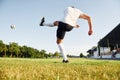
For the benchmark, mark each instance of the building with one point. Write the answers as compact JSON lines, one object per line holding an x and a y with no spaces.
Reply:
{"x":109,"y":43}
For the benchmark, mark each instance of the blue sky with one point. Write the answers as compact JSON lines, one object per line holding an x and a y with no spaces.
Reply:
{"x":26,"y":15}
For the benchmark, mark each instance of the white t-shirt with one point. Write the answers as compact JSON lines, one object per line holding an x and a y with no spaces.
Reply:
{"x":71,"y":16}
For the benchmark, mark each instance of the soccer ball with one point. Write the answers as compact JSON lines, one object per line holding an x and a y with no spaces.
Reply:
{"x":12,"y":26}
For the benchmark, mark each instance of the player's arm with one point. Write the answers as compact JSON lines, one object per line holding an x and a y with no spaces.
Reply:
{"x":88,"y":18}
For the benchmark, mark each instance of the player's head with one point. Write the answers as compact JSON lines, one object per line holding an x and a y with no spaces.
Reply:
{"x":72,"y":6}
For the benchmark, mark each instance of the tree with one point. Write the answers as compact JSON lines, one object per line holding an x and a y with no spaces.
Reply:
{"x":5,"y":49}
{"x":14,"y":48}
{"x":31,"y":52}
{"x":50,"y":54}
{"x":56,"y":54}
{"x":36,"y":53}
{"x":17,"y":49}
{"x":42,"y":53}
{"x":81,"y":55}
{"x":25,"y":52}
{"x":1,"y":47}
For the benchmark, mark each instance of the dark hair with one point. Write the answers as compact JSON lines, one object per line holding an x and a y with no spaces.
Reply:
{"x":72,"y":7}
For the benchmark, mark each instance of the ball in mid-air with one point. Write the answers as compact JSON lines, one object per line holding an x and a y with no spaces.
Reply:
{"x":12,"y":26}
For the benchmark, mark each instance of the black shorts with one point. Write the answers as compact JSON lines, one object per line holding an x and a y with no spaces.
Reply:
{"x":62,"y":29}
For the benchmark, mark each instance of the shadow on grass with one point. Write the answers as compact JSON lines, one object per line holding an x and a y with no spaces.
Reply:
{"x":107,"y":59}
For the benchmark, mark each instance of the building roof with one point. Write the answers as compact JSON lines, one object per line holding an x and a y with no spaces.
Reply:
{"x":112,"y":38}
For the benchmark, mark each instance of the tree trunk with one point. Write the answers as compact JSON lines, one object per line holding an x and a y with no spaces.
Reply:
{"x":11,"y":54}
{"x":5,"y":54}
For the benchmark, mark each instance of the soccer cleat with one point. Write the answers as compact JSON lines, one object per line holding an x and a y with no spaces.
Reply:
{"x":65,"y":61}
{"x":42,"y":21}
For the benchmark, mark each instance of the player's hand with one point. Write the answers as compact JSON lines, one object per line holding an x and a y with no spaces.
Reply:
{"x":77,"y":26}
{"x":90,"y":32}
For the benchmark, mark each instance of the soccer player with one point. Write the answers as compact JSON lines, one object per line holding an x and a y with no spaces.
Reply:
{"x":69,"y":21}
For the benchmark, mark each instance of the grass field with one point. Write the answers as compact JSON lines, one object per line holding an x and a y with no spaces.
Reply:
{"x":54,"y":69}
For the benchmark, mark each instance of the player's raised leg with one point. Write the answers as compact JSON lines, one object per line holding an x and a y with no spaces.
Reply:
{"x":43,"y":23}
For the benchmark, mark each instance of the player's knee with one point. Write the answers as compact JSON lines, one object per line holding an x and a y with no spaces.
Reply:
{"x":56,"y":23}
{"x":58,"y":41}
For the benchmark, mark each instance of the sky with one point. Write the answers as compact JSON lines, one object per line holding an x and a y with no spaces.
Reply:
{"x":26,"y":16}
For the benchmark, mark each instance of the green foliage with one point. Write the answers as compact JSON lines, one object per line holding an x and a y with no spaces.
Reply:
{"x":56,"y":54}
{"x":50,"y":54}
{"x":81,"y":55}
{"x":14,"y":50}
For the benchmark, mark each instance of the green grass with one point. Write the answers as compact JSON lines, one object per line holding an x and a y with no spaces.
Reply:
{"x":54,"y":69}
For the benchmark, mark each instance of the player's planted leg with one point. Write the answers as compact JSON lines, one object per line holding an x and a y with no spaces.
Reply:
{"x":62,"y":50}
